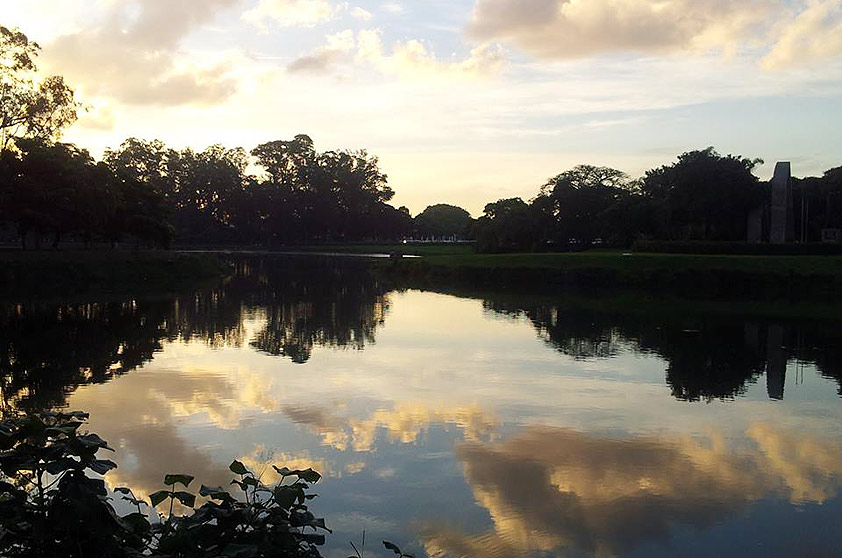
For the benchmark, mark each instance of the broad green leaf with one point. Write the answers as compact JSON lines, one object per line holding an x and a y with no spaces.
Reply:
{"x":238,"y":468}
{"x":218,"y":493}
{"x":186,"y":498}
{"x":158,"y":497}
{"x":61,"y":465}
{"x":101,"y":466}
{"x":251,"y":481}
{"x":93,"y":441}
{"x":285,"y":496}
{"x":183,"y":480}
{"x":393,"y":547}
{"x":308,"y":475}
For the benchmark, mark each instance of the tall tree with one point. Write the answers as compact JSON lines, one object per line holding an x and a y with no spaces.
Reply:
{"x":505,"y":226}
{"x":704,"y":195}
{"x":29,"y":107}
{"x":578,"y":202}
{"x":443,"y":220}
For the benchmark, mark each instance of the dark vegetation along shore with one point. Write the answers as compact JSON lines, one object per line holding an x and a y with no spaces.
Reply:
{"x":101,"y":272}
{"x":695,"y":276}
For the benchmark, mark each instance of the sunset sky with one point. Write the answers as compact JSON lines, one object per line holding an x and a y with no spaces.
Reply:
{"x":464,"y":101}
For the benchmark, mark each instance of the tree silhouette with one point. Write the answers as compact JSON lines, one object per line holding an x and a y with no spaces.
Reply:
{"x":29,"y":108}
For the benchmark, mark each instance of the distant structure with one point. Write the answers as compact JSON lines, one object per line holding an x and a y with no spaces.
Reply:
{"x":773,"y":220}
{"x":781,"y":225}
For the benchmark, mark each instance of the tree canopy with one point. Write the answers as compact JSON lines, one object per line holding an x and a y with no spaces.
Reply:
{"x":30,"y":107}
{"x":444,"y":221}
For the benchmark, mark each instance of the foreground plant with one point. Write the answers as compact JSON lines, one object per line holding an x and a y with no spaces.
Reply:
{"x":49,"y":507}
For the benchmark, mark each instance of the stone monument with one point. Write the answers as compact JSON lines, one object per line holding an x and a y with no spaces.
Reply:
{"x":781,"y":222}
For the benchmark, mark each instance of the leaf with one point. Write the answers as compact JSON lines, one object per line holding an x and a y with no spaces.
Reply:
{"x":238,"y":468}
{"x":285,"y":496}
{"x":250,"y":481}
{"x":101,"y":466}
{"x":393,"y":547}
{"x":137,"y":522}
{"x":218,"y":493}
{"x":308,"y":475}
{"x":158,"y":497}
{"x":319,"y":522}
{"x":183,"y":480}
{"x":185,"y":498}
{"x":93,"y":441}
{"x":313,"y":538}
{"x":61,"y":465}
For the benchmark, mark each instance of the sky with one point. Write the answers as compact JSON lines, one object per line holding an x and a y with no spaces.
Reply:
{"x":463,"y":101}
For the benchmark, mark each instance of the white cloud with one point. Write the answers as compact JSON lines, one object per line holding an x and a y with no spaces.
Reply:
{"x":577,"y":28}
{"x":790,"y":33}
{"x":132,"y":54}
{"x":361,"y":14}
{"x":411,"y":58}
{"x":292,"y":13}
{"x":393,"y":7}
{"x":324,"y":58}
{"x":814,"y":34}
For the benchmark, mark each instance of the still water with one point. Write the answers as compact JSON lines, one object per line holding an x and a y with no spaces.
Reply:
{"x":487,"y":424}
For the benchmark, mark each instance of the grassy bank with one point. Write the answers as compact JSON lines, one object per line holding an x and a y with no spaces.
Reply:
{"x":685,"y":275}
{"x":404,"y":249}
{"x":52,"y":272}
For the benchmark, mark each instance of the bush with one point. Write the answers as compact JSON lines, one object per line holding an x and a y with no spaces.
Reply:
{"x":49,"y":507}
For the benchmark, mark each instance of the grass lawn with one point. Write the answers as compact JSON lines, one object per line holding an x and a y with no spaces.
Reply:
{"x":406,"y":249}
{"x":634,"y":263}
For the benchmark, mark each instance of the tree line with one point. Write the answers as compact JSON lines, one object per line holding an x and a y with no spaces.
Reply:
{"x":702,"y":196}
{"x":144,"y":193}
{"x":148,"y":194}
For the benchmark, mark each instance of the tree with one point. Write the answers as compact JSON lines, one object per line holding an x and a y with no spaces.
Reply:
{"x":204,"y":187}
{"x":444,"y":221}
{"x":52,"y":190}
{"x":29,"y":108}
{"x":704,"y":195}
{"x":506,"y":225}
{"x":286,"y":162}
{"x":577,"y":203}
{"x":144,"y":186}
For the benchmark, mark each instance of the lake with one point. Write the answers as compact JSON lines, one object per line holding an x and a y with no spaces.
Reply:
{"x":466,"y":423}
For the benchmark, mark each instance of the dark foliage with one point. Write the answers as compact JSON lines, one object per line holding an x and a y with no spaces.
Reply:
{"x":704,"y":198}
{"x":443,"y":221}
{"x":49,"y":507}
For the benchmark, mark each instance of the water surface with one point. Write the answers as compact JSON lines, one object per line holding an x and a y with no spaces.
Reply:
{"x":497,"y":425}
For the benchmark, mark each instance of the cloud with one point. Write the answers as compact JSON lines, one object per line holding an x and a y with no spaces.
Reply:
{"x":361,"y":14}
{"x":559,"y":491}
{"x":98,"y":118}
{"x":814,"y":34}
{"x":292,"y":13}
{"x":132,"y":55}
{"x":564,"y":29}
{"x":324,"y":58}
{"x":411,"y":58}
